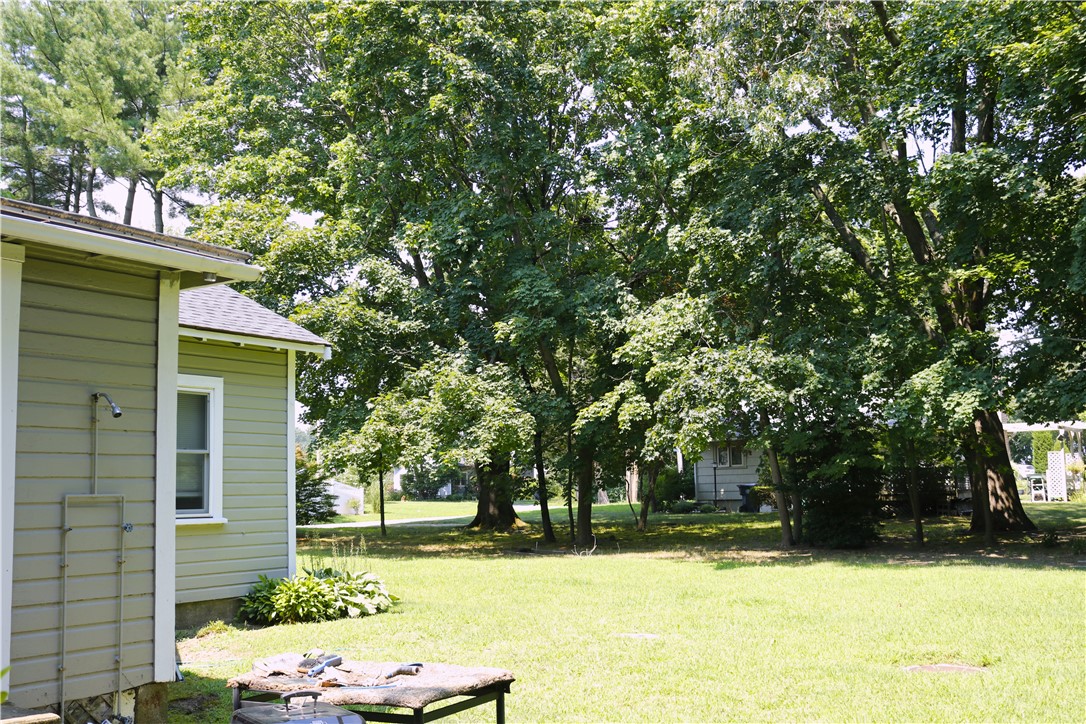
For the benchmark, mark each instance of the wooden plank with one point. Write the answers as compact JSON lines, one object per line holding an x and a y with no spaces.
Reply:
{"x":80,"y":638}
{"x":190,"y":554}
{"x":30,"y":466}
{"x":46,"y":591}
{"x":27,"y":620}
{"x":32,"y":542}
{"x":46,"y":344}
{"x":51,"y":491}
{"x":74,"y":324}
{"x":212,"y":573}
{"x":95,"y":374}
{"x":79,"y":665}
{"x":128,"y":302}
{"x":58,"y":272}
{"x":48,"y":518}
{"x":76,"y":393}
{"x":33,"y":416}
{"x":60,"y":441}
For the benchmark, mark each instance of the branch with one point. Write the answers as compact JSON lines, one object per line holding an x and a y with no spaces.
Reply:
{"x":884,"y":22}
{"x":852,"y":244}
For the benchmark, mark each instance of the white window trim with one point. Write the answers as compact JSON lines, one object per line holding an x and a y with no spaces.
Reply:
{"x":214,"y":387}
{"x":726,"y":447}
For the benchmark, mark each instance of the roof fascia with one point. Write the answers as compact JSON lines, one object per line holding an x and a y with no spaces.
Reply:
{"x":246,"y":340}
{"x":109,"y":246}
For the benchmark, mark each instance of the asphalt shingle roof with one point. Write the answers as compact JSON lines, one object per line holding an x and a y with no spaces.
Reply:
{"x":221,"y":309}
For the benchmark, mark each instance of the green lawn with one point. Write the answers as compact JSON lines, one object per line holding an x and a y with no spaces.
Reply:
{"x":704,"y":619}
{"x":414,"y":509}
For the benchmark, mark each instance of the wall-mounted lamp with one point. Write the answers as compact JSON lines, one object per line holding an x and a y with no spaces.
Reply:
{"x":211,"y":277}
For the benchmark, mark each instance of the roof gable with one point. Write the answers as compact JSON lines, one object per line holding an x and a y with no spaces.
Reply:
{"x":221,"y":309}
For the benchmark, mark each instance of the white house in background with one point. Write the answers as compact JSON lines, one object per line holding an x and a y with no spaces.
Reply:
{"x":721,"y":470}
{"x":140,"y":458}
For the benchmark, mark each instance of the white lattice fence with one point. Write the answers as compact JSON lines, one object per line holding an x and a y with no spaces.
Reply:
{"x":1056,"y":479}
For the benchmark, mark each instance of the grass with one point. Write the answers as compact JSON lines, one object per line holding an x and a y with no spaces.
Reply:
{"x":415,"y":509}
{"x":704,"y":619}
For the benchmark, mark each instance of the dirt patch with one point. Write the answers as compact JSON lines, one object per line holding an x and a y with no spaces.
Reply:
{"x":193,"y":704}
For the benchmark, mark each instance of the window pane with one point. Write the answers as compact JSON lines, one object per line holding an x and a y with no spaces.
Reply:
{"x":192,"y":421}
{"x":722,"y":454}
{"x":192,"y":474}
{"x":737,"y":455}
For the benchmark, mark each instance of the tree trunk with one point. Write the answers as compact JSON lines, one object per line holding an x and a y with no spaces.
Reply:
{"x":778,"y":493}
{"x":988,"y":453}
{"x":914,"y":492}
{"x":778,"y":486}
{"x":130,"y":201}
{"x":159,"y":224}
{"x":569,"y":487}
{"x":77,"y":192}
{"x":495,"y":510}
{"x":90,"y":192}
{"x":381,"y":493}
{"x":648,"y":495}
{"x":541,"y":479}
{"x":586,"y":487}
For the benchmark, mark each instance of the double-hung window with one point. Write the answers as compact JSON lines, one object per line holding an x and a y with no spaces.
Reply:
{"x":729,"y":454}
{"x":199,"y":448}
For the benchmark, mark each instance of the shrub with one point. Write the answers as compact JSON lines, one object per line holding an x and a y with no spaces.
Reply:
{"x":318,"y":595}
{"x":355,"y":505}
{"x":707,"y":508}
{"x":684,"y":506}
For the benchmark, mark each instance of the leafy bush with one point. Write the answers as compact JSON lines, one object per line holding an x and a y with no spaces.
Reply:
{"x":318,"y":595}
{"x":671,"y":485}
{"x":684,"y":506}
{"x":707,"y":508}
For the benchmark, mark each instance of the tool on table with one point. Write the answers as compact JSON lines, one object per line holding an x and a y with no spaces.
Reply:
{"x":406,"y":669}
{"x":324,"y":663}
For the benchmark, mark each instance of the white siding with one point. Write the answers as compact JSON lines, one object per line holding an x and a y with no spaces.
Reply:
{"x":224,"y":560}
{"x":83,"y":329}
{"x":720,"y":483}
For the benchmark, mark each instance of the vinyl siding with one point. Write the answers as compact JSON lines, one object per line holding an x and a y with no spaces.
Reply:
{"x":723,"y":485}
{"x":83,"y":329}
{"x":223,"y":561}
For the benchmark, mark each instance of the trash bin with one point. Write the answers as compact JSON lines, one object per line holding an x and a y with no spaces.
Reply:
{"x":748,"y":505}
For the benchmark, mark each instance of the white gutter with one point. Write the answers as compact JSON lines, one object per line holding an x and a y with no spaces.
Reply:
{"x":244,"y":340}
{"x":91,"y":242}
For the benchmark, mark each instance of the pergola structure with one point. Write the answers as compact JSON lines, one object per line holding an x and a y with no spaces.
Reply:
{"x":1070,"y":433}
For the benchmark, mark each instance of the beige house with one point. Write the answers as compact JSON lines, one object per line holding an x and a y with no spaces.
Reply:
{"x":129,"y":440}
{"x":721,"y":470}
{"x":235,"y":381}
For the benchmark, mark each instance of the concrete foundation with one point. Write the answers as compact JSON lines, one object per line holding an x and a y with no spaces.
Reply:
{"x":195,"y":615}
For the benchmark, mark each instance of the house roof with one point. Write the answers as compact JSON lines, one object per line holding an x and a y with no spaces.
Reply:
{"x":103,"y":238}
{"x":221,"y":309}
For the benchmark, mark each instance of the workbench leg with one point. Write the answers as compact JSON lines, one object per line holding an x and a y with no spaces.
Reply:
{"x":500,"y":706}
{"x":417,"y":716}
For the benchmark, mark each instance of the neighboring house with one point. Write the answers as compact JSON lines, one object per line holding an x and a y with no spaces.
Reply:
{"x":721,"y":470}
{"x":344,"y":495}
{"x":91,"y":474}
{"x":235,"y":487}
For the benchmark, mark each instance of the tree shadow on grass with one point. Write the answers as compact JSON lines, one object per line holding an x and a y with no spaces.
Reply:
{"x":731,"y":539}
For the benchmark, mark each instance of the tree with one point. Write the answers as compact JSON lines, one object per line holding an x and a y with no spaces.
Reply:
{"x":445,"y":143}
{"x":942,"y":172}
{"x":84,"y":82}
{"x":312,"y":501}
